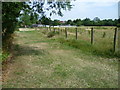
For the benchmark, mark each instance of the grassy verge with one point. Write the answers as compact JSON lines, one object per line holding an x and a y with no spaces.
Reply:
{"x":57,"y":62}
{"x":87,"y":48}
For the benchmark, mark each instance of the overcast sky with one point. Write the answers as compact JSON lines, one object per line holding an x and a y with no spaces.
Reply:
{"x":104,"y":9}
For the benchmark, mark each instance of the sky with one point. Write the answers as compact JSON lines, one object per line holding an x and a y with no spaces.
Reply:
{"x":104,"y":9}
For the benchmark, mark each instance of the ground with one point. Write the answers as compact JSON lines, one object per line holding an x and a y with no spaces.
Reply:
{"x":41,"y":62}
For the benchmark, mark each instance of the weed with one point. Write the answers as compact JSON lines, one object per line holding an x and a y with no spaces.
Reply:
{"x":52,"y":33}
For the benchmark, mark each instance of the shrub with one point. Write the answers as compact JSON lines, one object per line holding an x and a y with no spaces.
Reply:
{"x":44,"y":32}
{"x":52,"y":33}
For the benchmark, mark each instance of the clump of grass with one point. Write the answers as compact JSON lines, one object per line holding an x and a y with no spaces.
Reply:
{"x":0,"y":56}
{"x":104,"y":34}
{"x":44,"y":31}
{"x":4,"y":56}
{"x":79,"y":44}
{"x":86,"y":47}
{"x":52,"y":33}
{"x":99,"y":27}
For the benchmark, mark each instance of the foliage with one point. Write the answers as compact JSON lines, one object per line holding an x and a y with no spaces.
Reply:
{"x":45,"y":21}
{"x":118,"y":25}
{"x":26,"y":13}
{"x":5,"y":56}
{"x":10,"y":13}
{"x":85,"y":22}
{"x":56,"y":22}
{"x":52,"y":33}
{"x":94,"y":22}
{"x":27,"y":19}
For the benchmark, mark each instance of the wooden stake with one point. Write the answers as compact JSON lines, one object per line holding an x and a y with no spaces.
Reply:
{"x":92,"y":35}
{"x":66,"y":32}
{"x":118,"y":39}
{"x":76,"y":34}
{"x":115,"y":36}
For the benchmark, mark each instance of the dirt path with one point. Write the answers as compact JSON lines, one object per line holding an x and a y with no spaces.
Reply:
{"x":43,"y":64}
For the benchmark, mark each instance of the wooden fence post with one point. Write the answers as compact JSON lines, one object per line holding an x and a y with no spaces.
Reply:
{"x":118,"y":39}
{"x":92,"y":36}
{"x":50,"y":28}
{"x":54,"y":29}
{"x":66,"y":32}
{"x":76,"y":34}
{"x":58,"y":30}
{"x":114,"y":43}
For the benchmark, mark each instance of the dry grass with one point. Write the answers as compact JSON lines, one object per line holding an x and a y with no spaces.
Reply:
{"x":41,"y":62}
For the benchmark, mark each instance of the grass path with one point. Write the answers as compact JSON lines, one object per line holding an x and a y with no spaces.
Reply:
{"x":40,"y":62}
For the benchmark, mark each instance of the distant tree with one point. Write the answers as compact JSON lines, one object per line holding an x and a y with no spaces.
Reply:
{"x":45,"y":21}
{"x":95,"y":22}
{"x":96,"y":19}
{"x":118,"y":23}
{"x":34,"y":18}
{"x":56,"y":22}
{"x":25,"y":20}
{"x":69,"y":22}
{"x":86,"y":22}
{"x":77,"y":22}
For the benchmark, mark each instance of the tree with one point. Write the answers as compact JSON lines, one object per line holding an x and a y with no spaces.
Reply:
{"x":96,"y":19}
{"x":11,"y":11}
{"x":69,"y":22}
{"x":56,"y":22}
{"x":86,"y":22}
{"x":45,"y":21}
{"x":25,"y":20}
{"x":77,"y":22}
{"x":34,"y":18}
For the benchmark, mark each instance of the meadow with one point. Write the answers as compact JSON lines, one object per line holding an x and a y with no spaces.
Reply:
{"x":47,"y":59}
{"x":103,"y":39}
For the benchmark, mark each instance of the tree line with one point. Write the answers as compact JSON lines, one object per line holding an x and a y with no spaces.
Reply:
{"x":95,"y":22}
{"x":28,"y":20}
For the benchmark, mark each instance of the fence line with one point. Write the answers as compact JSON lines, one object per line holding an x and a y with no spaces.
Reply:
{"x":91,"y":32}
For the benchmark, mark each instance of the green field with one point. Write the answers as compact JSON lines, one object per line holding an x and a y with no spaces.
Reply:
{"x":56,"y":62}
{"x":103,"y":39}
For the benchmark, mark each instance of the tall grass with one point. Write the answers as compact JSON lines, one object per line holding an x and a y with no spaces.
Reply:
{"x":86,"y":47}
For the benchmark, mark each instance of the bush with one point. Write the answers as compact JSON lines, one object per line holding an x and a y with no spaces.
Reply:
{"x":4,"y":56}
{"x":52,"y":33}
{"x":44,"y":32}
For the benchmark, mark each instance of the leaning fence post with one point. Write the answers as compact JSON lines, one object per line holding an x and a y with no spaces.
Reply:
{"x":66,"y":32}
{"x":76,"y":34}
{"x":115,"y":36}
{"x":92,"y":36}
